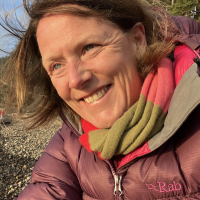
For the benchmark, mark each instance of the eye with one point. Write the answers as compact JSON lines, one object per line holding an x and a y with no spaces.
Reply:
{"x":57,"y":66}
{"x":89,"y":47}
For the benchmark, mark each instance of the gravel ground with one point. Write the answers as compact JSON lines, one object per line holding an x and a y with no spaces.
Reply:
{"x":19,"y":150}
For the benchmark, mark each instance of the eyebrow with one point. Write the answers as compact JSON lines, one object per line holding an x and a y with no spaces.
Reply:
{"x":82,"y":41}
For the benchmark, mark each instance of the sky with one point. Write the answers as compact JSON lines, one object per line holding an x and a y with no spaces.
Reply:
{"x":7,"y":42}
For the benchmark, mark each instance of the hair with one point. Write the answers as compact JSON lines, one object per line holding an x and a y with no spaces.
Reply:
{"x":28,"y":80}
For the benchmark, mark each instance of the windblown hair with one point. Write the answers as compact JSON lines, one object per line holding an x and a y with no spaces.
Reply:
{"x":26,"y":75}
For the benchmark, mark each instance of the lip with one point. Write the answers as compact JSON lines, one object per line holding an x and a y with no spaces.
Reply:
{"x":97,"y":90}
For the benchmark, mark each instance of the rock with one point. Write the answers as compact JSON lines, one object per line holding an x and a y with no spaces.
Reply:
{"x":24,"y":167}
{"x":19,"y":151}
{"x":11,"y":191}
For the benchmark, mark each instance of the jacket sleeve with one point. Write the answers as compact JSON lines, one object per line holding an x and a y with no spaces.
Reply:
{"x":52,"y":178}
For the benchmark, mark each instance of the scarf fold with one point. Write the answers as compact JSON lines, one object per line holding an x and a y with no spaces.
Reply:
{"x":141,"y":122}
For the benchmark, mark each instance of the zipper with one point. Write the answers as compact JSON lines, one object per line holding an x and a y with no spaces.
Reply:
{"x":120,"y":186}
{"x":118,"y":182}
{"x":118,"y":179}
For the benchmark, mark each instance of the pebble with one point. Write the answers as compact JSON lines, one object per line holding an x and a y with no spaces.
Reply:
{"x":19,"y":151}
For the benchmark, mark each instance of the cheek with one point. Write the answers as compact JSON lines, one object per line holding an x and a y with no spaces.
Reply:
{"x":109,"y":65}
{"x":62,"y":88}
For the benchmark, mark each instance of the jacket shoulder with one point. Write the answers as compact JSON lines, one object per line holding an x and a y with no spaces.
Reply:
{"x":190,"y":30}
{"x":187,"y":25}
{"x":52,"y":177}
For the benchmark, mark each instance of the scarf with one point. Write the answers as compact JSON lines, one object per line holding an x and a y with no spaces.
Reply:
{"x":141,"y":122}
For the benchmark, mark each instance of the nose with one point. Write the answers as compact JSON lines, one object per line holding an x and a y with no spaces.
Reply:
{"x":78,"y":75}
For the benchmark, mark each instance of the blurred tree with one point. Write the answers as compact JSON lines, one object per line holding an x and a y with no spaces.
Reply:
{"x":4,"y":87}
{"x":188,"y":8}
{"x":184,"y":8}
{"x":3,"y":60}
{"x":197,"y":10}
{"x":163,"y":3}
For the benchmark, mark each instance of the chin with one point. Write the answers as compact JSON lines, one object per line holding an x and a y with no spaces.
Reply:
{"x":104,"y":123}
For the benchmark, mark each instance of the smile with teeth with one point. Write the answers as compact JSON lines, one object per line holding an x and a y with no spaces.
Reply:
{"x":97,"y":95}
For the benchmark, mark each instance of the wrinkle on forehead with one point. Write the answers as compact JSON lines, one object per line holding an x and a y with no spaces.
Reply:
{"x":78,"y":7}
{"x":64,"y":20}
{"x":46,"y":24}
{"x":47,"y":28}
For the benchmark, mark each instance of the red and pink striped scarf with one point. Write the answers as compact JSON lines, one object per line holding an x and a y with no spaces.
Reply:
{"x":144,"y":119}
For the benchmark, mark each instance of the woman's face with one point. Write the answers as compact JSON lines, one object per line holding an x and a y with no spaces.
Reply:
{"x":92,"y":65}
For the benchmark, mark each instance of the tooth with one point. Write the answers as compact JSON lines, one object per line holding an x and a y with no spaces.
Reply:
{"x":91,"y":99}
{"x":95,"y":97}
{"x":100,"y":94}
{"x":103,"y":91}
{"x":87,"y":100}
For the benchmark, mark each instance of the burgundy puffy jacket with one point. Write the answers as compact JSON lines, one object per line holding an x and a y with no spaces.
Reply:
{"x":170,"y":170}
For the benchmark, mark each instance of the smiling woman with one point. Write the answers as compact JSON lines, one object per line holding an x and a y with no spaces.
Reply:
{"x":91,"y":56}
{"x":122,"y":79}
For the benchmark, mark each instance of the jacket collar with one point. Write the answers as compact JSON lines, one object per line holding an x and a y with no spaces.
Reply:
{"x":185,"y":99}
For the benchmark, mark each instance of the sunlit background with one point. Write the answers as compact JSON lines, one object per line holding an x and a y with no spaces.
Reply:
{"x":188,"y":8}
{"x":14,"y":9}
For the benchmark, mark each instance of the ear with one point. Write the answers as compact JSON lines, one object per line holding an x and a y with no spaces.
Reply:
{"x":138,"y":35}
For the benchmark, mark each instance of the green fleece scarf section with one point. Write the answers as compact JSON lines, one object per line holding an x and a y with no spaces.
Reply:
{"x":141,"y":122}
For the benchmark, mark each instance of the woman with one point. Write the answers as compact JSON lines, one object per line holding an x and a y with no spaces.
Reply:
{"x":130,"y":115}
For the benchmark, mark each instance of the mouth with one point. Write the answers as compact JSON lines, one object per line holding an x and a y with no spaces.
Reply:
{"x":97,"y":95}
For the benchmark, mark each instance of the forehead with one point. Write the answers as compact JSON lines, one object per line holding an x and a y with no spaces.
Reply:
{"x":71,"y":14}
{"x":70,"y":21}
{"x":68,"y":26}
{"x":64,"y":34}
{"x":62,"y":18}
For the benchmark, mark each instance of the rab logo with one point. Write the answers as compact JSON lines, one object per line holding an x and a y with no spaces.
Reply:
{"x":162,"y":187}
